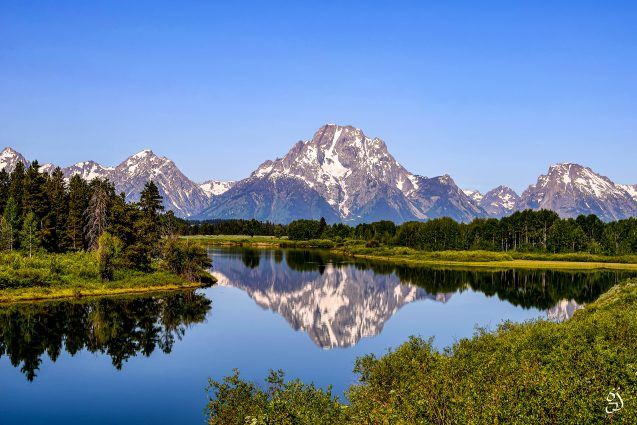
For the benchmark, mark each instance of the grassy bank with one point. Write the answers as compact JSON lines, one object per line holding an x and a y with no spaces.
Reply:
{"x":261,"y":241}
{"x":53,"y":276}
{"x":537,"y":372}
{"x":409,"y":256}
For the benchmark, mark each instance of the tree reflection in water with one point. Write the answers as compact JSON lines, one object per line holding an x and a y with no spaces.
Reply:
{"x":120,"y":327}
{"x":339,"y":300}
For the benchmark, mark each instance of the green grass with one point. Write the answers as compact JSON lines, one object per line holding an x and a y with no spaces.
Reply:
{"x":484,"y":259}
{"x":410,"y":256}
{"x":537,"y":372}
{"x":261,"y":241}
{"x":50,"y":276}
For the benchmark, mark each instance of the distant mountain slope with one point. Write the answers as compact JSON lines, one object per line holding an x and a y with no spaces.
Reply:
{"x":215,"y":187}
{"x":9,"y":158}
{"x":571,"y":190}
{"x":500,"y":202}
{"x":344,"y":176}
{"x":356,"y":176}
{"x":181,"y":195}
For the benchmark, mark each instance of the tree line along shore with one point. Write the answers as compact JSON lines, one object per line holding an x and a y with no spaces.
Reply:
{"x":81,"y":238}
{"x":537,"y":239}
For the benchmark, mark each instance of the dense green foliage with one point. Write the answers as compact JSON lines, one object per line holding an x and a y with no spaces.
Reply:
{"x":186,"y":258}
{"x":231,"y":227}
{"x":234,"y":401}
{"x":538,"y":372}
{"x":525,"y":231}
{"x":40,"y":215}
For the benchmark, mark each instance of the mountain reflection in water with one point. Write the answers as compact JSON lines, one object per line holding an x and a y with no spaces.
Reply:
{"x":120,"y":327}
{"x":338,"y":301}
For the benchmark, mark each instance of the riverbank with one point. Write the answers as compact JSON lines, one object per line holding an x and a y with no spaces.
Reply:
{"x":75,"y":275}
{"x":534,"y":372}
{"x":408,"y":256}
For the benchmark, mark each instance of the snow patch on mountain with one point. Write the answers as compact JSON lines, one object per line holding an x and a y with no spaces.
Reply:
{"x":215,"y":187}
{"x":571,"y":190}
{"x":473,"y":194}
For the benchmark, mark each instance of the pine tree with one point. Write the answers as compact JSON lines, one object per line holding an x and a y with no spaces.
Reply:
{"x":96,"y":214}
{"x":54,"y":233}
{"x":78,"y":203}
{"x":34,"y":196}
{"x":30,"y":235}
{"x":16,"y":186}
{"x":11,"y":223}
{"x":150,"y":200}
{"x":5,"y":182}
{"x":151,"y":204}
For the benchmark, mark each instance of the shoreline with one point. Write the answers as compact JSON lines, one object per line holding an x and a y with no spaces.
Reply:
{"x":408,"y":259}
{"x":80,"y":293}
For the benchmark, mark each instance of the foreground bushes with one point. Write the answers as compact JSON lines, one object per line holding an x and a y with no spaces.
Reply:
{"x":19,"y":271}
{"x":536,"y":372}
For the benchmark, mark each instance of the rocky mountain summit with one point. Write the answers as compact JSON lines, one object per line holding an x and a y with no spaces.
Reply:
{"x":345,"y":176}
{"x":342,"y":175}
{"x":9,"y":158}
{"x":572,"y":189}
{"x":500,"y":201}
{"x":181,"y":195}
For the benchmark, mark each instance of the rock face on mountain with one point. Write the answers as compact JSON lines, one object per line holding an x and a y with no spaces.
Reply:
{"x":499,"y":202}
{"x":215,"y":187}
{"x":356,"y":177}
{"x":88,"y":170}
{"x":571,"y":190}
{"x":279,"y":199}
{"x":631,"y":189}
{"x":475,"y":195}
{"x":9,"y":158}
{"x":345,"y":176}
{"x":181,"y":195}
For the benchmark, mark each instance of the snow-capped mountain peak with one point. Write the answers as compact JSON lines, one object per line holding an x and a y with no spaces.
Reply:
{"x":353,"y":174}
{"x":9,"y":157}
{"x":215,"y":187}
{"x":572,"y":189}
{"x":500,"y":201}
{"x":88,"y":170}
{"x":473,"y":194}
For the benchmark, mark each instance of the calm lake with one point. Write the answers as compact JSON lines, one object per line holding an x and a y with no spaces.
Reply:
{"x":146,"y":359}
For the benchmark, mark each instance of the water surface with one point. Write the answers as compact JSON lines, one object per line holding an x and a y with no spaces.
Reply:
{"x":146,"y":359}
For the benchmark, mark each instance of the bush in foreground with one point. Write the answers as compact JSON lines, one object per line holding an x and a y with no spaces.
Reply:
{"x":537,"y":372}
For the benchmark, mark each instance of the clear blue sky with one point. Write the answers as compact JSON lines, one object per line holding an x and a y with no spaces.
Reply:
{"x":491,"y":92}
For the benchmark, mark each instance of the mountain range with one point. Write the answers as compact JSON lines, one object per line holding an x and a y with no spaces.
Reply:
{"x":344,"y":176}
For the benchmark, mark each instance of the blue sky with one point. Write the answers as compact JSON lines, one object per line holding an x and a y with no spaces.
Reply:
{"x":489,"y":92}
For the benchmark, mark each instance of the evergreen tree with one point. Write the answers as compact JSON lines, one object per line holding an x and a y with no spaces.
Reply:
{"x":54,"y":236}
{"x":150,"y":200}
{"x":16,"y":186}
{"x":34,"y":196}
{"x":5,"y":183}
{"x":11,"y":224}
{"x":77,"y":205}
{"x":30,"y":235}
{"x":150,"y":203}
{"x":121,"y":217}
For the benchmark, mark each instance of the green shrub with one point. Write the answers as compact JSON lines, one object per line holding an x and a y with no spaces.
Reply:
{"x":538,"y":372}
{"x":234,"y":401}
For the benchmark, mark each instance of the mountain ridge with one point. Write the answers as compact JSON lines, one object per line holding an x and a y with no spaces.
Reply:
{"x":345,"y":176}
